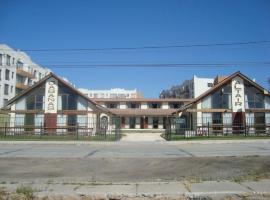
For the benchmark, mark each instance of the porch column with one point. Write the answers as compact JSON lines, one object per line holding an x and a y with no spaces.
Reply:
{"x":97,"y":123}
{"x":160,"y":122}
{"x":150,"y":122}
{"x":127,"y":122}
{"x":138,"y":122}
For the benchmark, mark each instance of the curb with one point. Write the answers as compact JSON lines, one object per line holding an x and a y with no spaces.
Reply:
{"x":244,"y":141}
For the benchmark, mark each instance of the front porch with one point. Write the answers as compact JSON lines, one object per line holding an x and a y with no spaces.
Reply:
{"x":143,"y":122}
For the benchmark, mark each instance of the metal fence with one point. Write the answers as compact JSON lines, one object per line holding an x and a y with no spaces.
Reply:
{"x":78,"y":129}
{"x":209,"y":128}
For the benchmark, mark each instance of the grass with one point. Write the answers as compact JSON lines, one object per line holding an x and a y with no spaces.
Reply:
{"x":254,"y":175}
{"x":3,"y":193}
{"x":109,"y":137}
{"x":26,"y":191}
{"x":175,"y":137}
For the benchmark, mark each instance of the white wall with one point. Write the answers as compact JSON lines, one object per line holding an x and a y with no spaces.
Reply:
{"x":28,"y":66}
{"x":11,"y":83}
{"x":123,"y":105}
{"x":111,"y":93}
{"x":165,"y":105}
{"x":144,"y":105}
{"x":201,"y":85}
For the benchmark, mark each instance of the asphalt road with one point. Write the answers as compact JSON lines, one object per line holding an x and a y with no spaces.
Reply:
{"x":135,"y":150}
{"x":131,"y":162}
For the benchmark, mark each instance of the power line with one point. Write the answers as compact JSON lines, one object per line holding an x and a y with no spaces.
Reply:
{"x":147,"y":47}
{"x":84,"y":63}
{"x":89,"y":63}
{"x":162,"y":65}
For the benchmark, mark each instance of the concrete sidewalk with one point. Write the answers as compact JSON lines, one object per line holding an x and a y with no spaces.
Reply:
{"x":209,"y":189}
{"x":142,"y":137}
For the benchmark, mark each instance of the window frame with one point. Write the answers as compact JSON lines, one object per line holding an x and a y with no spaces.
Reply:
{"x":6,"y":89}
{"x":7,"y":74}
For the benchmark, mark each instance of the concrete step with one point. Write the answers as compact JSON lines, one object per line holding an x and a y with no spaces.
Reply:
{"x":158,"y":131}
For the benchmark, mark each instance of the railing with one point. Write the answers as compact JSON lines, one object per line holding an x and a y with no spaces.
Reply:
{"x":22,"y":72}
{"x":247,"y":128}
{"x":73,"y":131}
{"x":21,"y":86}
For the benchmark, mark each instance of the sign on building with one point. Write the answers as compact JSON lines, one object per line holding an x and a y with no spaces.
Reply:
{"x":238,"y":98}
{"x":179,"y":120}
{"x":51,"y":94}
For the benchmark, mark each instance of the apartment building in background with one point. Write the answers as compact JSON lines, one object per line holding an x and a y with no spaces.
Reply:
{"x":112,"y":93}
{"x":17,"y":73}
{"x":195,"y":87}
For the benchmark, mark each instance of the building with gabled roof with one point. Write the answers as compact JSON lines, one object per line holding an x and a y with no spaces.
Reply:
{"x":235,"y":100}
{"x":232,"y":102}
{"x":53,"y":103}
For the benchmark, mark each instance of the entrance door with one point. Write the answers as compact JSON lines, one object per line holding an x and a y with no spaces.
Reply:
{"x":146,"y":122}
{"x":164,"y":122}
{"x":50,"y":122}
{"x":142,"y":123}
{"x":71,"y":123}
{"x":155,"y":122}
{"x":259,"y":122}
{"x":238,"y":122}
{"x":217,"y":123}
{"x":132,"y":122}
{"x":123,"y":122}
{"x":104,"y":121}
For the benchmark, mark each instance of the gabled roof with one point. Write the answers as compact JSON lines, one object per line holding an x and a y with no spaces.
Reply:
{"x":66,"y":84}
{"x":219,"y":85}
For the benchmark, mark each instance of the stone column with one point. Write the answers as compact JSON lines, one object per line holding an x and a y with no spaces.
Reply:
{"x":160,"y":122}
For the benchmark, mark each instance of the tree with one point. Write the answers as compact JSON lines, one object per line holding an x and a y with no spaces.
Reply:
{"x":174,"y":92}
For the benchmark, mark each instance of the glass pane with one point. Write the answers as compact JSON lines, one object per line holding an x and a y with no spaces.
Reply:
{"x":217,"y":118}
{"x":30,"y":102}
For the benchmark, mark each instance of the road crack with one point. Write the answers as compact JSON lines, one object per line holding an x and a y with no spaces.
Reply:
{"x":186,"y":152}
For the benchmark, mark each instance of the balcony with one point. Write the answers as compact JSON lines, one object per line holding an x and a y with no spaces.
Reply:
{"x":21,"y":86}
{"x":22,"y":72}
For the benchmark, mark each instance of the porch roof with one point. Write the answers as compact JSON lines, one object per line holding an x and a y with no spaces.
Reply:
{"x":142,"y":112}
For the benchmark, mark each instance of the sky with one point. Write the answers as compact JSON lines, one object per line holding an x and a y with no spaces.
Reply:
{"x":78,"y":24}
